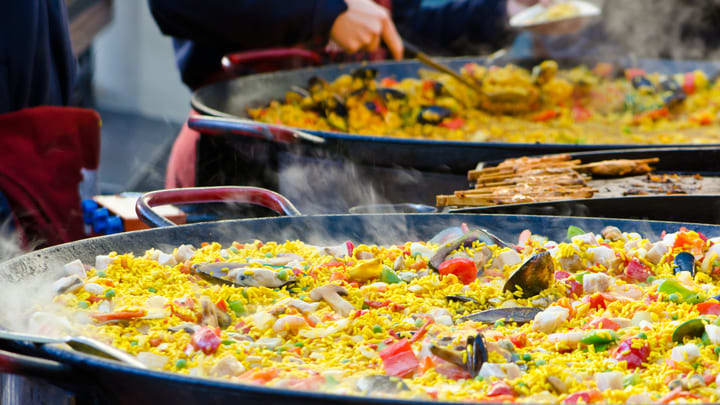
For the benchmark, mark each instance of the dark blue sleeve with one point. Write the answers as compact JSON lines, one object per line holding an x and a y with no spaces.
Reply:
{"x":434,"y":28}
{"x":246,"y":24}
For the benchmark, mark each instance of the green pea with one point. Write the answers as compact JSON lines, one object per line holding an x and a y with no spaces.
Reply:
{"x":227,"y":342}
{"x":244,"y":293}
{"x":717,"y":350}
{"x":377,"y":329}
{"x":152,"y":290}
{"x":674,"y":298}
{"x":299,"y":344}
{"x":526,"y":357}
{"x":282,"y":275}
{"x":268,"y":254}
{"x":134,"y":343}
{"x":479,"y":378}
{"x":540,"y":362}
{"x":101,"y":274}
{"x":674,"y":317}
{"x":234,"y":250}
{"x":83,"y":304}
{"x":109,"y":293}
{"x":180,"y":364}
{"x":650,"y":279}
{"x":642,"y":335}
{"x":419,"y":322}
{"x":499,"y":323}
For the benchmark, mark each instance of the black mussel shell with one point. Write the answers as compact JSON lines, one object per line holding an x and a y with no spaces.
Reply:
{"x":512,"y":314}
{"x":391,"y":94}
{"x":364,"y":73}
{"x":533,"y":276}
{"x":433,"y":114}
{"x":641,"y":82}
{"x":684,"y":261}
{"x":461,"y":298}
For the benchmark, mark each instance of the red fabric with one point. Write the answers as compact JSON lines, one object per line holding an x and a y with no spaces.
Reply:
{"x":42,"y":150}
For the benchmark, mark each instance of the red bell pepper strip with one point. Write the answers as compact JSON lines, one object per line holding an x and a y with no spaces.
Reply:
{"x":454,"y":123}
{"x":206,"y":339}
{"x":689,"y":83}
{"x":420,"y":333}
{"x":581,"y":113}
{"x":464,"y":269}
{"x":708,"y":308}
{"x":586,"y":396}
{"x":546,"y":115}
{"x":260,"y":376}
{"x":388,"y":82}
{"x":632,"y":72}
{"x":399,"y":359}
{"x":520,"y":340}
{"x":117,"y":316}
{"x":633,"y":356}
{"x":599,"y":300}
{"x":222,"y":305}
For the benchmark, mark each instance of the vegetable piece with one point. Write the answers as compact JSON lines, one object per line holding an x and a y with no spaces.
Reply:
{"x":366,"y":271}
{"x":500,"y":388}
{"x":399,"y":359}
{"x":574,"y":231}
{"x":331,"y":293}
{"x":599,"y":300}
{"x":206,"y":339}
{"x":600,"y":337}
{"x":237,"y":307}
{"x":463,"y":269}
{"x":586,"y":396}
{"x":634,"y":351}
{"x":387,"y":275}
{"x":692,"y":328}
{"x":708,"y":308}
{"x":604,"y":323}
{"x":118,"y":316}
{"x":636,"y":271}
{"x":546,"y":115}
{"x":670,"y":286}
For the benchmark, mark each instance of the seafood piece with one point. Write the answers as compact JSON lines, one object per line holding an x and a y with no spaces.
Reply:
{"x":466,"y":240}
{"x":433,"y":114}
{"x":331,"y":293}
{"x":657,"y":252}
{"x":441,"y":316}
{"x":514,"y":314}
{"x":184,"y":253}
{"x":713,"y":333}
{"x":545,"y":71}
{"x":571,"y":263}
{"x":472,"y":359}
{"x":213,"y":316}
{"x":75,"y":267}
{"x":67,"y":284}
{"x":506,"y":258}
{"x":259,"y":278}
{"x":500,"y":370}
{"x":382,"y":384}
{"x":461,"y":298}
{"x":102,"y":262}
{"x":612,"y":380}
{"x":290,"y":323}
{"x":388,"y":94}
{"x":300,"y":305}
{"x":692,"y":328}
{"x":685,"y":353}
{"x":596,"y":282}
{"x":603,"y":256}
{"x":189,"y":328}
{"x":228,"y":365}
{"x":533,"y":276}
{"x":684,"y":261}
{"x":611,"y":233}
{"x":549,"y":319}
{"x":558,"y":385}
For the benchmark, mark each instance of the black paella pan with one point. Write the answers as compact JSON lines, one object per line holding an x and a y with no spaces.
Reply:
{"x":247,"y":152}
{"x":97,"y":380}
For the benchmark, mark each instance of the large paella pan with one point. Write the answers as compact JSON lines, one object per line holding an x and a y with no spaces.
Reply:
{"x":580,"y":310}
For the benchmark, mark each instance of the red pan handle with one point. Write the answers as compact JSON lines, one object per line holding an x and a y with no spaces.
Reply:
{"x":237,"y":126}
{"x":252,"y":195}
{"x":230,"y":61}
{"x":20,"y":364}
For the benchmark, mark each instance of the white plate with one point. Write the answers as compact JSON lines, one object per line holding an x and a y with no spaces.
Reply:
{"x":526,"y":18}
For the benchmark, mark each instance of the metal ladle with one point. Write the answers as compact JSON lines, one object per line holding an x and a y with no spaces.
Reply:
{"x":79,"y":343}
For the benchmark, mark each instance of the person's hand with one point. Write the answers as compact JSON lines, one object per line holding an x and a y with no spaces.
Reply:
{"x":363,"y":25}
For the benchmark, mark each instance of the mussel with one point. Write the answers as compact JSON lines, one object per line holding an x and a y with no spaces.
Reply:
{"x":533,"y":276}
{"x":364,"y":73}
{"x":371,"y":106}
{"x":692,"y":329}
{"x":642,"y":83}
{"x":475,"y":354}
{"x":316,"y":84}
{"x":466,"y":240}
{"x":433,"y":114}
{"x":672,"y":93}
{"x":684,"y":261}
{"x":513,"y":314}
{"x":461,"y":298}
{"x":388,"y":94}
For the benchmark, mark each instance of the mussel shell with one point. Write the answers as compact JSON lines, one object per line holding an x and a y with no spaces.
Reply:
{"x":315,"y":82}
{"x":433,"y":114}
{"x":641,"y":82}
{"x":461,"y":298}
{"x":388,"y":94}
{"x":381,"y":383}
{"x":372,"y":107}
{"x":334,"y":105}
{"x":533,"y":276}
{"x":684,"y":261}
{"x":477,"y":354}
{"x":364,"y":73}
{"x":513,"y":314}
{"x":692,"y":328}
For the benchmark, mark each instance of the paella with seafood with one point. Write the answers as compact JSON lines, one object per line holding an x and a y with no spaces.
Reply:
{"x":600,"y":317}
{"x":511,"y":104}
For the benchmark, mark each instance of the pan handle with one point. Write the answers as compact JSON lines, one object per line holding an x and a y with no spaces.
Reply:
{"x":238,"y":126}
{"x":252,"y":195}
{"x":29,"y":366}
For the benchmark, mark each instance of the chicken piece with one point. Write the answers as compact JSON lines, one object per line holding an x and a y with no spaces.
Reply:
{"x":506,"y":258}
{"x":227,"y":366}
{"x":612,"y":380}
{"x":596,"y":282}
{"x":550,"y":319}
